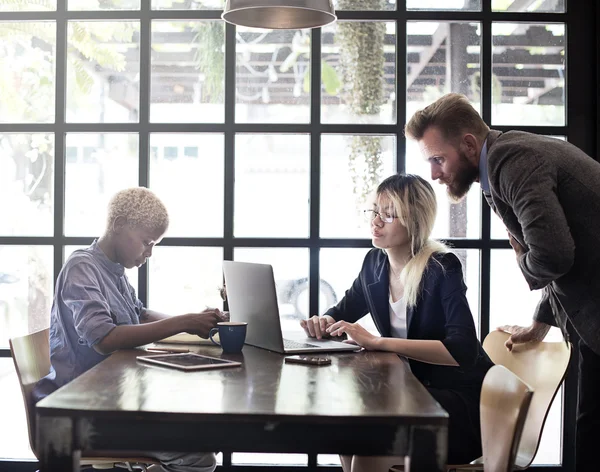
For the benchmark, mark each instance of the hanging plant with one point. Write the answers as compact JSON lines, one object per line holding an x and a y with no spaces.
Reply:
{"x":362,"y":67}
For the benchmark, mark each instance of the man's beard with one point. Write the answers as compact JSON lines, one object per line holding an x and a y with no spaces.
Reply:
{"x":462,"y":179}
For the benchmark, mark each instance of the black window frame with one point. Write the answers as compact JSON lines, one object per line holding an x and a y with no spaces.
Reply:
{"x":582,"y":20}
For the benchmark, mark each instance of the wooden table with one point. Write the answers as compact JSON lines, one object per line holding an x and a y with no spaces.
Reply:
{"x":363,"y":403}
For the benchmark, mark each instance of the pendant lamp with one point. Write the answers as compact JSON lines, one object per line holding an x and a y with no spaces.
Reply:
{"x":279,"y":14}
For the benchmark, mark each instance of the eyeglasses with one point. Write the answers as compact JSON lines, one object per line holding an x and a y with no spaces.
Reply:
{"x":383,"y":216}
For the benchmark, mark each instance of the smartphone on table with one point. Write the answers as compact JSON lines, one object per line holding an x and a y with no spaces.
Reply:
{"x":309,"y":360}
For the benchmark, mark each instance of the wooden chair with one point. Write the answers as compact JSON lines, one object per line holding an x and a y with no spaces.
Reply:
{"x":543,"y":366}
{"x":31,"y":356}
{"x":505,"y":400}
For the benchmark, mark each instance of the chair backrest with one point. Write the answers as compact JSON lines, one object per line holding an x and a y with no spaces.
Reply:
{"x":505,"y":400}
{"x":31,"y":355}
{"x":543,"y":366}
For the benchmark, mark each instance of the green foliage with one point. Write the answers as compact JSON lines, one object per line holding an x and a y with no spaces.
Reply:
{"x":210,"y":57}
{"x":362,"y":60}
{"x":329,"y":77}
{"x":365,"y":162}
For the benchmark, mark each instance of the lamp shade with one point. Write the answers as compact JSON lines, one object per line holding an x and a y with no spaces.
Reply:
{"x":279,"y":14}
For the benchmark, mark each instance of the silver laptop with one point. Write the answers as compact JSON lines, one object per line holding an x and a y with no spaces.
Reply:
{"x":252,"y":298}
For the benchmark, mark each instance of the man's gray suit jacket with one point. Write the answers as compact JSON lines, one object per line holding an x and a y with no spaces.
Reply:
{"x":547,"y":193}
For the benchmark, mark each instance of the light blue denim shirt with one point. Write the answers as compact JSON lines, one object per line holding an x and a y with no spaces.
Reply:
{"x":92,"y":297}
{"x":484,"y":181}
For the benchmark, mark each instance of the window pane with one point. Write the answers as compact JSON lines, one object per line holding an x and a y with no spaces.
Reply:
{"x":243,"y":458}
{"x":27,"y":182}
{"x":45,"y":5}
{"x":528,"y":82}
{"x":339,"y":268}
{"x":557,"y":6}
{"x":27,"y":65}
{"x":103,"y":70}
{"x":364,"y":5}
{"x":290,"y":268}
{"x":435,"y":69}
{"x":25,"y":290}
{"x":91,"y":182}
{"x":185,"y":279}
{"x":272,"y":76}
{"x":466,"y":5}
{"x":358,"y":72}
{"x":191,"y":184}
{"x":272,"y":185}
{"x":471,"y":266}
{"x":517,"y":309}
{"x":351,"y":169}
{"x":14,"y":440}
{"x":103,"y":4}
{"x":187,"y":4}
{"x":454,"y":220}
{"x":188,"y":71}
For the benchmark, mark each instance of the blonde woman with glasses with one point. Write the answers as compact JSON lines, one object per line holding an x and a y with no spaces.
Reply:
{"x":413,"y":288}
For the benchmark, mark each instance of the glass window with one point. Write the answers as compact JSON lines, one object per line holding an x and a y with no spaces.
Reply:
{"x":26,"y":184}
{"x":358,"y":72}
{"x":364,"y":5}
{"x":351,"y":168}
{"x":271,"y":185}
{"x":26,"y":288}
{"x":466,"y":5}
{"x":539,"y":6}
{"x":45,"y":5}
{"x":14,"y":440}
{"x":187,"y":4}
{"x":196,"y":208}
{"x":290,"y":269}
{"x":113,"y":166}
{"x":442,"y":57}
{"x":528,"y":82}
{"x":103,"y":4}
{"x":185,"y":279}
{"x":27,"y":63}
{"x":188,"y":72}
{"x":103,"y":70}
{"x":272,"y":76}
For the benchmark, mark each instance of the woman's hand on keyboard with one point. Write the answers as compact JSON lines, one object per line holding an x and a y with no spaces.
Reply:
{"x":316,"y":326}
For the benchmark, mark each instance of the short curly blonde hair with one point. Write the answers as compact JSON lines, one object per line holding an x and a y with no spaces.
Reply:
{"x":140,"y":206}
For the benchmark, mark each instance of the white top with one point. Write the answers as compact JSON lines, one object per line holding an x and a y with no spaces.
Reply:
{"x":398,"y":318}
{"x":398,"y":321}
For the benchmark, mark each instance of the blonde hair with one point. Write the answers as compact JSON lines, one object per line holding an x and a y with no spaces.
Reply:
{"x":140,"y":206}
{"x":415,"y":204}
{"x":452,"y":114}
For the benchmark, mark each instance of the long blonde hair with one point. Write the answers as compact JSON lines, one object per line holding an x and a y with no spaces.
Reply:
{"x":415,"y":204}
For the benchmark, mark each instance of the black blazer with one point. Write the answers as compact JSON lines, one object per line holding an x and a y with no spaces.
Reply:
{"x":441,"y":313}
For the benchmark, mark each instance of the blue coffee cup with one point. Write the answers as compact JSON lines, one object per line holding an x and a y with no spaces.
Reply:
{"x":232,"y":335}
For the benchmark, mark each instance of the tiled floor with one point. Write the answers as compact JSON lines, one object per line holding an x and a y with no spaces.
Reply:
{"x":14,"y":440}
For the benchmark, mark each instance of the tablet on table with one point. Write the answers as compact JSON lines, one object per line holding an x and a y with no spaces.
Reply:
{"x":188,"y":361}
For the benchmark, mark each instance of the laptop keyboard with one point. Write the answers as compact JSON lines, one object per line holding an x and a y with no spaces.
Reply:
{"x":289,"y":344}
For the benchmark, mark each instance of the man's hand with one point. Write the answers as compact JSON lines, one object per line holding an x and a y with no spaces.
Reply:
{"x":201,"y":323}
{"x":519,"y":334}
{"x":519,"y":250}
{"x":316,"y":326}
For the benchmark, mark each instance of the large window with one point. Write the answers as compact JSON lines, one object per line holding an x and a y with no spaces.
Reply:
{"x":264,"y":144}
